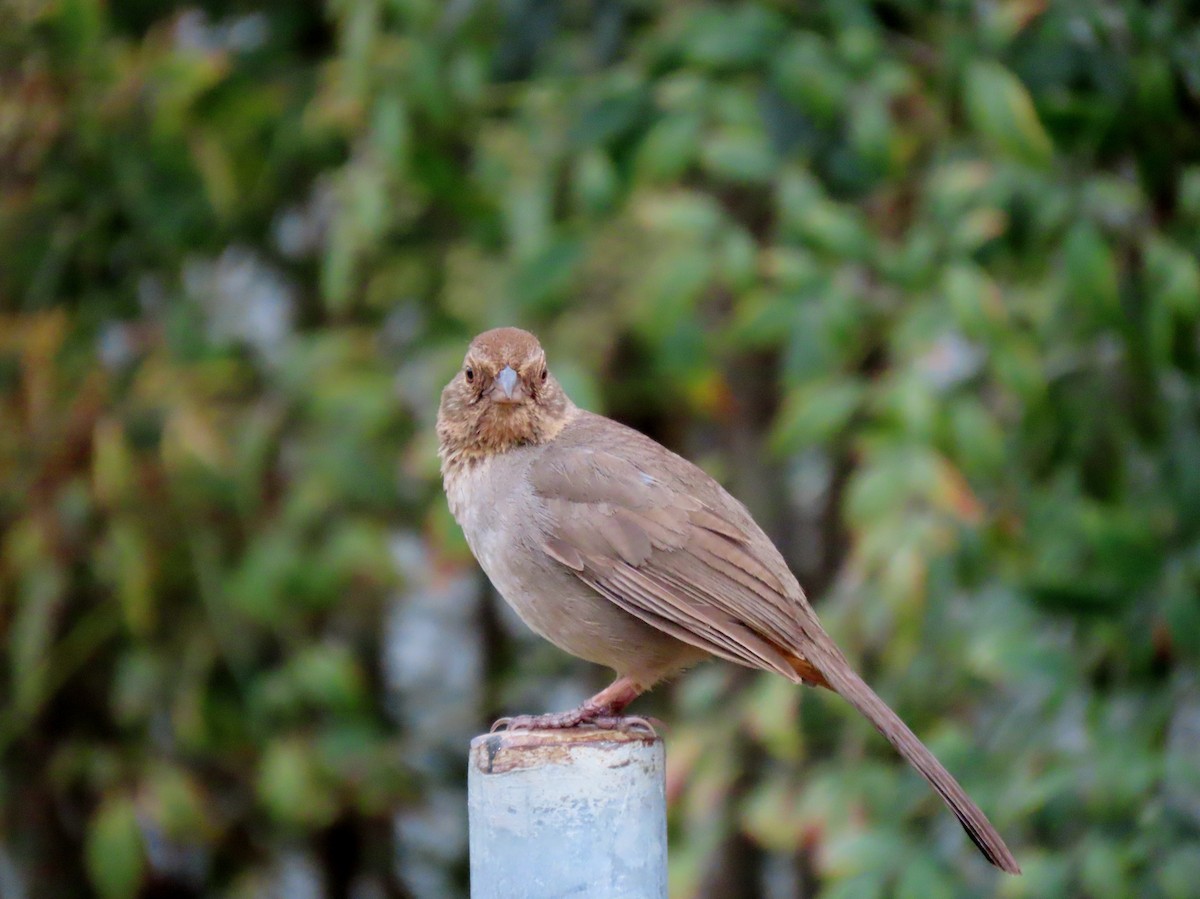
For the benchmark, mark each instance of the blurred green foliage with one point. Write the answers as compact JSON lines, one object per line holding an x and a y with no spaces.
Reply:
{"x":917,"y":280}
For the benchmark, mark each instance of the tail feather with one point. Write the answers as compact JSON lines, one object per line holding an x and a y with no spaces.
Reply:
{"x":840,"y":677}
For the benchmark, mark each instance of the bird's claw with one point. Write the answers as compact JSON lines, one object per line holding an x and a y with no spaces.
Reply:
{"x":627,"y":723}
{"x":553,"y":721}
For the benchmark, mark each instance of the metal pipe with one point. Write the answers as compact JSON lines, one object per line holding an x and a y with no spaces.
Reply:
{"x":574,"y":812}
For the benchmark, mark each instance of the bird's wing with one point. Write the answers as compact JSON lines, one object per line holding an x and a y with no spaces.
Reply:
{"x":666,"y":557}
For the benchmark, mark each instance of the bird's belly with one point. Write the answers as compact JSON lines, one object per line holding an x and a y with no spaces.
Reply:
{"x":578,"y":620}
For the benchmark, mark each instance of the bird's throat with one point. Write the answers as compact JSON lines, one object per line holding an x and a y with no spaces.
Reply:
{"x":499,"y":429}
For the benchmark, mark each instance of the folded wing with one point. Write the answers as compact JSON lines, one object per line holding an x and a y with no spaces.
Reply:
{"x":665,"y":557}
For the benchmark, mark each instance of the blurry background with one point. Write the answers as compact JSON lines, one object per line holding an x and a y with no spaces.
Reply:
{"x":918,"y":281}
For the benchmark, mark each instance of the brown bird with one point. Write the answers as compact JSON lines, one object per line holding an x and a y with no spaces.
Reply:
{"x":620,"y":552}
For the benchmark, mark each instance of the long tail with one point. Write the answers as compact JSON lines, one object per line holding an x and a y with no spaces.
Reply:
{"x":840,"y":677}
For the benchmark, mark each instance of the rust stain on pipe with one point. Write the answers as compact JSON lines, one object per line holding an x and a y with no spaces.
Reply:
{"x":517,"y":750}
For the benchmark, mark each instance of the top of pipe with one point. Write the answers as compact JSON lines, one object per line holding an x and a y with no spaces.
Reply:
{"x":504,"y":751}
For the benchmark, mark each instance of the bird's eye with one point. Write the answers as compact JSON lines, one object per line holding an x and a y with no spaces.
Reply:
{"x":545,"y":373}
{"x":470,"y":373}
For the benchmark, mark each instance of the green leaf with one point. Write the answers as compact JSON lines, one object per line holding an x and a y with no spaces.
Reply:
{"x":978,"y":439}
{"x":1001,"y":111}
{"x":1189,"y":193}
{"x":1104,"y":872}
{"x":137,"y":686}
{"x":719,"y":39}
{"x":542,"y":281}
{"x":892,"y":482}
{"x":769,"y":814}
{"x":113,"y":849}
{"x":610,"y":114}
{"x":1179,"y":872}
{"x":673,"y":289}
{"x":670,"y":146}
{"x":177,"y":804}
{"x":1042,"y":874}
{"x":833,"y":228}
{"x":1174,"y":276}
{"x":32,"y":634}
{"x":329,"y":676}
{"x":687,"y":214}
{"x":113,"y":466}
{"x":292,"y":786}
{"x":1173,"y":283}
{"x":1019,"y":368}
{"x":871,"y":132}
{"x":739,"y":155}
{"x":974,"y":299}
{"x":806,"y":72}
{"x":762,"y":319}
{"x":923,"y":879}
{"x":865,"y":854}
{"x":579,"y":384}
{"x":129,"y":567}
{"x":1092,"y":273}
{"x":391,"y":132}
{"x":738,"y":260}
{"x":816,"y":413}
{"x":595,"y":182}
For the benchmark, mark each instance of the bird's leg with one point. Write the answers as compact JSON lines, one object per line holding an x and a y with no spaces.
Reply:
{"x":602,"y":710}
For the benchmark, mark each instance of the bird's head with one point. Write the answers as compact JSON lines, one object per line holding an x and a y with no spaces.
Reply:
{"x":503,"y":396}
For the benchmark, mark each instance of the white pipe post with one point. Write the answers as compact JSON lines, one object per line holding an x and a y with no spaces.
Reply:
{"x":574,"y":812}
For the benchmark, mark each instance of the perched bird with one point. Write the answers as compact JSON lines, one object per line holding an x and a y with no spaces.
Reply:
{"x":623,"y":553}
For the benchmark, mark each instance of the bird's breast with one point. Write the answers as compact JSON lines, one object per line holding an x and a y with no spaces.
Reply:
{"x":502,"y":519}
{"x":494,"y":504}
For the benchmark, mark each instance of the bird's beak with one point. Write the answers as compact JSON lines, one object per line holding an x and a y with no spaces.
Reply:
{"x":508,"y":387}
